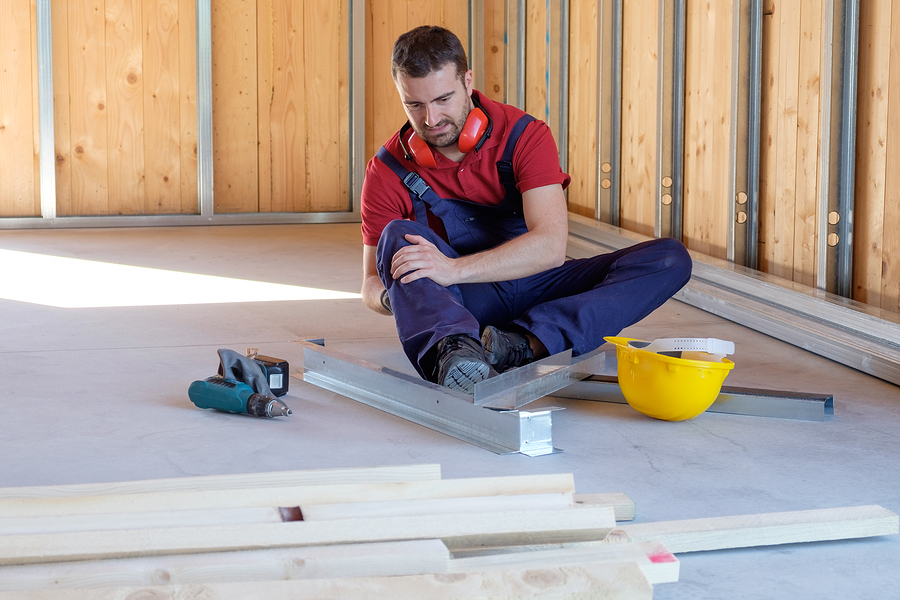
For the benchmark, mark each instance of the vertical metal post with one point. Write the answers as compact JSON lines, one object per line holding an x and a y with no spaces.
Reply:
{"x":204,"y":108}
{"x":669,"y":118}
{"x":834,"y":269}
{"x":735,"y":132}
{"x":357,"y":101}
{"x":46,"y":137}
{"x":609,"y":109}
{"x":746,"y":93}
{"x":557,"y":40}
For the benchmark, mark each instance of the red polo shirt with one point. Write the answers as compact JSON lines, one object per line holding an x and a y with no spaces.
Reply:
{"x":535,"y":164}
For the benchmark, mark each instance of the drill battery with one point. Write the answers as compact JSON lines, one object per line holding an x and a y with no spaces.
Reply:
{"x":275,"y":371}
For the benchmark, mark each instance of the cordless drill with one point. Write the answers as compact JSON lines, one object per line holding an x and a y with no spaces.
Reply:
{"x":235,"y":397}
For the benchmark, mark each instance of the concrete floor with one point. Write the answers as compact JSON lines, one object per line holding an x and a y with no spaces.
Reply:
{"x":97,"y":394}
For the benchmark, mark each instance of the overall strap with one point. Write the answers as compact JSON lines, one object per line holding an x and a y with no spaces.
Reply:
{"x":504,"y":165}
{"x":419,"y":191}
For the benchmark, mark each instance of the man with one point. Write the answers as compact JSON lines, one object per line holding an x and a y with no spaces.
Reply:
{"x":465,"y":227}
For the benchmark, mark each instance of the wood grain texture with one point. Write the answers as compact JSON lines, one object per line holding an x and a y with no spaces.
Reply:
{"x":806,"y":209}
{"x":187,"y":105}
{"x":17,"y":114}
{"x":238,"y":481}
{"x":890,"y":250}
{"x":591,"y":580}
{"x":535,"y":72}
{"x":874,"y":103}
{"x":764,"y":529}
{"x":386,"y":559}
{"x":640,"y":98}
{"x":495,"y":25}
{"x":583,"y":106}
{"x":707,"y":126}
{"x":235,"y":126}
{"x":125,"y":106}
{"x":469,"y":530}
{"x":162,"y":106}
{"x":768,"y":159}
{"x":89,"y":190}
{"x":283,"y":495}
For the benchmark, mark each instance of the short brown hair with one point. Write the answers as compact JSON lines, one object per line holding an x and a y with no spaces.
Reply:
{"x":426,"y":49}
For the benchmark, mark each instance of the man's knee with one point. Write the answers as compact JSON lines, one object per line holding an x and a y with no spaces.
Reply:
{"x":393,"y":237}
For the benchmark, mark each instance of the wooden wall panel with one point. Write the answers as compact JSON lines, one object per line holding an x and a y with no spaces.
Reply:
{"x":876,"y":217}
{"x":386,"y":20}
{"x":18,"y":187}
{"x":125,"y":119}
{"x":495,"y":50}
{"x":125,"y":106}
{"x":640,"y":93}
{"x":235,"y":106}
{"x":583,"y":143}
{"x":707,"y":126}
{"x":536,"y":75}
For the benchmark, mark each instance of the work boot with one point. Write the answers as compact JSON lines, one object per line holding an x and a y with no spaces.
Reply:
{"x":506,"y":349}
{"x":461,"y":363}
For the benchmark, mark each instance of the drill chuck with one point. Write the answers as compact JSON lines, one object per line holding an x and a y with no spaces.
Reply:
{"x":232,"y":396}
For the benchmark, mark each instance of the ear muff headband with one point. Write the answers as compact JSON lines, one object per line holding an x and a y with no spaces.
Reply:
{"x":475,"y":132}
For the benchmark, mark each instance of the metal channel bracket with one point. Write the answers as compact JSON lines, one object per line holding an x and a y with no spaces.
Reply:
{"x":429,"y":404}
{"x":731,"y":400}
{"x":518,"y":387}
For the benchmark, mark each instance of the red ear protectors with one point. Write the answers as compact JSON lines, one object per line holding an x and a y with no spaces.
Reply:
{"x":475,"y":132}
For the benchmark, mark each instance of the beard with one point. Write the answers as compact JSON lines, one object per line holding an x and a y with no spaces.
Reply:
{"x":449,"y":137}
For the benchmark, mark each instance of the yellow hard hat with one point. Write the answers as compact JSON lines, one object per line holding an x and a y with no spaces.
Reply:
{"x":665,"y":387}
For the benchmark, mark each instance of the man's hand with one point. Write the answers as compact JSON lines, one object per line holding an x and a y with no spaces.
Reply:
{"x":423,"y":259}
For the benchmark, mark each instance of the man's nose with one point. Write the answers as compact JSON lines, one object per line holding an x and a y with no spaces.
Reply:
{"x":432,"y":117}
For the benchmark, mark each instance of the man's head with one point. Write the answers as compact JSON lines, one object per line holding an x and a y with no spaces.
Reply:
{"x":432,"y":76}
{"x":426,"y":49}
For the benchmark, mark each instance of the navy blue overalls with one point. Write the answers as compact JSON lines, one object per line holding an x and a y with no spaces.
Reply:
{"x":571,"y":306}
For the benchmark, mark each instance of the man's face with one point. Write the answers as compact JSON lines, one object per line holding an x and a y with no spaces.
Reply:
{"x":437,"y":105}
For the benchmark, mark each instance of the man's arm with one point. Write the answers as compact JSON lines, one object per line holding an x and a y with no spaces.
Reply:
{"x":372,"y":286}
{"x":542,"y":247}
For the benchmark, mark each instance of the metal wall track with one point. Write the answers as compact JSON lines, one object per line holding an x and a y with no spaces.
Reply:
{"x":848,"y":332}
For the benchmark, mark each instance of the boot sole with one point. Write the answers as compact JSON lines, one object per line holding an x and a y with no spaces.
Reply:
{"x":464,"y":375}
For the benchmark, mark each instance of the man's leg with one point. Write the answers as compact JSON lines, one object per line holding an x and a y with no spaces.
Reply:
{"x":577,"y":304}
{"x":431,"y":318}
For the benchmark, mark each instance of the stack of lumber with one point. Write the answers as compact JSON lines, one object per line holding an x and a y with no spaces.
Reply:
{"x":386,"y":532}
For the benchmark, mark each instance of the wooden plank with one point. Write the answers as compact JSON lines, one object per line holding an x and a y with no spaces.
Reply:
{"x":235,"y":125}
{"x":535,"y":70}
{"x":425,"y":472}
{"x":385,"y":559}
{"x":640,"y":42}
{"x":584,"y":55}
{"x":291,"y":495}
{"x":806,"y":210}
{"x":456,"y":530}
{"x":781,"y":250}
{"x":890,"y":275}
{"x":400,"y":508}
{"x":187,"y":88}
{"x":765,"y":529}
{"x":322,"y":77}
{"x":622,"y":505}
{"x":143,"y":520}
{"x":285,"y":121}
{"x":591,"y":580}
{"x":871,"y":191}
{"x":386,"y":20}
{"x":89,"y":192}
{"x":17,"y":116}
{"x":265,"y":89}
{"x":708,"y":71}
{"x":59,"y":18}
{"x":125,"y":106}
{"x":657,"y":563}
{"x":162,"y":106}
{"x":494,"y":75}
